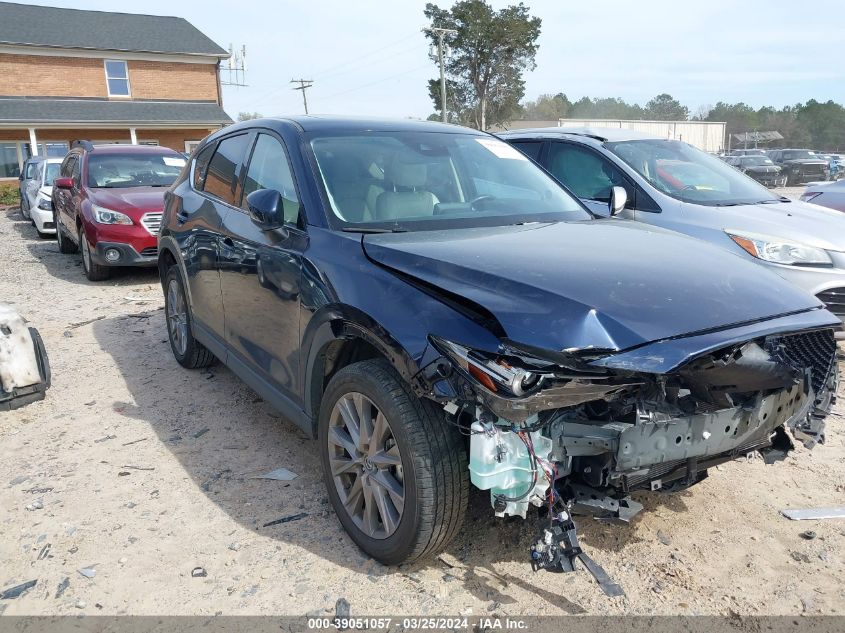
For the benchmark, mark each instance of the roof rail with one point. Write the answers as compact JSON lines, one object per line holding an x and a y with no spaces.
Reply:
{"x":86,"y":145}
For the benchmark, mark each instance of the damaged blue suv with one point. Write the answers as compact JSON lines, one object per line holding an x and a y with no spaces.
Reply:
{"x":436,"y":311}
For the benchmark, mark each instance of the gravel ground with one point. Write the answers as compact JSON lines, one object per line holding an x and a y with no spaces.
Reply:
{"x":144,"y":472}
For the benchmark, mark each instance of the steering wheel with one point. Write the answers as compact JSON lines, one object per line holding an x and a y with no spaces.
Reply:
{"x":478,"y":200}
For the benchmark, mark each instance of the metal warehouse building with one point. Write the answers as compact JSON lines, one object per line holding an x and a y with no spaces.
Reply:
{"x":704,"y":135}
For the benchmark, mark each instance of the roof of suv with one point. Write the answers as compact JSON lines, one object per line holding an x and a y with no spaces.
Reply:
{"x":598,"y":133}
{"x":328,"y":123}
{"x":123,"y":148}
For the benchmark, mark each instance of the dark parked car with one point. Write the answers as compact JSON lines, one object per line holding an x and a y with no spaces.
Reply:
{"x":107,"y":201}
{"x":800,"y":166}
{"x":415,"y":294}
{"x":760,"y":168}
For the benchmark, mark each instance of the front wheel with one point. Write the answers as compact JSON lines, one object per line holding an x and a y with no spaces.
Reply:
{"x":394,"y":468}
{"x":93,"y":270}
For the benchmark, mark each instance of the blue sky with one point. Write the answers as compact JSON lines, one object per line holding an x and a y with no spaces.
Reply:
{"x":369,"y":57}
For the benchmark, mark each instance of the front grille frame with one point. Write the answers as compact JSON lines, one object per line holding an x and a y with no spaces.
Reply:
{"x":152,"y":222}
{"x":814,"y":350}
{"x":834,"y":299}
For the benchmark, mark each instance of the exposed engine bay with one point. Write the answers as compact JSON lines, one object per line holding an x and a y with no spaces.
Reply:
{"x":556,"y":431}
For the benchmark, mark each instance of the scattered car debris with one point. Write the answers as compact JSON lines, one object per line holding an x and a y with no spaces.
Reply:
{"x":280,"y":474}
{"x":78,"y":324}
{"x":234,"y":546}
{"x":341,"y":608}
{"x":24,"y":368}
{"x":198,"y":572}
{"x":38,"y":491}
{"x":287,"y":519}
{"x":62,"y":587}
{"x":200,"y":433}
{"x":206,"y":486}
{"x":130,"y":467}
{"x":45,"y":552}
{"x":809,"y":535}
{"x":143,"y":439}
{"x":105,"y":439}
{"x":800,"y":557}
{"x":123,"y":473}
{"x":18,"y":590}
{"x":88,"y":572}
{"x":38,"y":504}
{"x":663,"y":538}
{"x":814,"y":513}
{"x":80,"y":604}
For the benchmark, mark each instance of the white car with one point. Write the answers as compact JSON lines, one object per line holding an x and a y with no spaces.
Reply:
{"x":38,"y":204}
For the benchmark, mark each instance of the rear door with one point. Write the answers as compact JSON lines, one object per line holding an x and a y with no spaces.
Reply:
{"x":215,"y":176}
{"x":260,"y":274}
{"x":63,"y":198}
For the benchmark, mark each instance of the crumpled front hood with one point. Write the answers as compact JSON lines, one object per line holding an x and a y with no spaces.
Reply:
{"x":610,"y":284}
{"x":131,"y":200}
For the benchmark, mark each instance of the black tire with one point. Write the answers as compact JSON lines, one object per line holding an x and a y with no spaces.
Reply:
{"x":433,"y":458}
{"x":44,"y":236}
{"x":93,"y":270}
{"x":66,"y":246}
{"x":193,"y":354}
{"x":25,"y":209}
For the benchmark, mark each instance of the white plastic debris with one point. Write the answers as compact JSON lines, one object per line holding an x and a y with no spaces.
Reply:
{"x":280,"y":474}
{"x":18,"y":363}
{"x":814,"y":513}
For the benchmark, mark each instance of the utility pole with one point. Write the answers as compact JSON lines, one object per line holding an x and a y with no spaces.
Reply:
{"x":441,"y":33}
{"x":304,"y":84}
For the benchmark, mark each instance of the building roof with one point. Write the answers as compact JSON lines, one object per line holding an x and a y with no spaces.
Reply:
{"x":30,"y":25}
{"x":32,"y":111}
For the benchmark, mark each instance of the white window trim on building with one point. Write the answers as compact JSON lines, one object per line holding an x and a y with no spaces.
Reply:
{"x":106,"y":63}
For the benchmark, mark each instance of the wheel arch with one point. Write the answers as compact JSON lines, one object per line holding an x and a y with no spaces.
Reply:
{"x":339,"y":337}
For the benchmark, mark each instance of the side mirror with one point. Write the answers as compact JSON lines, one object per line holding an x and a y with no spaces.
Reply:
{"x":266,"y":208}
{"x":64,"y":183}
{"x":618,"y":198}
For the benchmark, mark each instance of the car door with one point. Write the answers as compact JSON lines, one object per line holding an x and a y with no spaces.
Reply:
{"x":215,"y":176}
{"x":64,"y":197}
{"x":260,"y":273}
{"x":33,"y":184}
{"x":588,"y":175}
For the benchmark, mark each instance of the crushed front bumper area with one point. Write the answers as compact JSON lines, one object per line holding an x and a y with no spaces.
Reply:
{"x":575,"y":433}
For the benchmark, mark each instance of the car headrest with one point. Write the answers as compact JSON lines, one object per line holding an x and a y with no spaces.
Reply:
{"x":403,"y":172}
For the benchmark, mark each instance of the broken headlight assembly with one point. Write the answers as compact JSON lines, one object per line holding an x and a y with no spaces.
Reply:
{"x":496,"y":373}
{"x":780,"y":251}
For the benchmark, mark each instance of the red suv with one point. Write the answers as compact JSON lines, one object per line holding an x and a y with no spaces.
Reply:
{"x":108,"y":200}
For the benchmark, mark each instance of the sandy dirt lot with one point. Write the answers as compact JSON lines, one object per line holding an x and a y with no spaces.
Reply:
{"x":144,"y":471}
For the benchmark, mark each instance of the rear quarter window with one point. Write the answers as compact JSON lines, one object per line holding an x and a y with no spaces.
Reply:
{"x":201,"y":165}
{"x":221,"y":178}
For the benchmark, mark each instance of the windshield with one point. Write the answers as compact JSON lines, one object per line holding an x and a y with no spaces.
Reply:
{"x":685,"y":173}
{"x":425,"y":180}
{"x":52,"y":173}
{"x":123,"y":171}
{"x":756,"y":160}
{"x":801,"y":154}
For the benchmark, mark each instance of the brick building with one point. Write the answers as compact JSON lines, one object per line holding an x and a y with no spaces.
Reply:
{"x":68,"y":74}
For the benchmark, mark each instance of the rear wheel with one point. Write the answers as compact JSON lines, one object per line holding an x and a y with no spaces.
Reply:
{"x":65,"y":245}
{"x":93,"y":270}
{"x":25,"y":209}
{"x":395,"y":470}
{"x":186,"y":349}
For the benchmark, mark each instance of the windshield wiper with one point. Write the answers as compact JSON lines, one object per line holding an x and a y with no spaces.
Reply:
{"x":372,"y":229}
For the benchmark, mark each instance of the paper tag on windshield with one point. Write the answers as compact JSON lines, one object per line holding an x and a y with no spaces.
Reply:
{"x":501,"y":149}
{"x":172,"y":161}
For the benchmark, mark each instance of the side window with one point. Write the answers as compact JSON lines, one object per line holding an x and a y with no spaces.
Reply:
{"x":269,"y":169}
{"x":67,"y":166}
{"x":221,"y":179}
{"x":529,"y":148}
{"x":201,"y":166}
{"x":586,"y":174}
{"x":30,"y":171}
{"x":74,"y":172}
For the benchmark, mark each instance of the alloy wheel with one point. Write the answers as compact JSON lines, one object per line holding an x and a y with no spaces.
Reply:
{"x":86,"y":251}
{"x":366,"y":465}
{"x":177,"y":317}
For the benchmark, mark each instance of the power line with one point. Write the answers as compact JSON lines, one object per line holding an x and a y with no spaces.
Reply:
{"x":304,"y":84}
{"x":331,"y":69}
{"x":377,"y":81}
